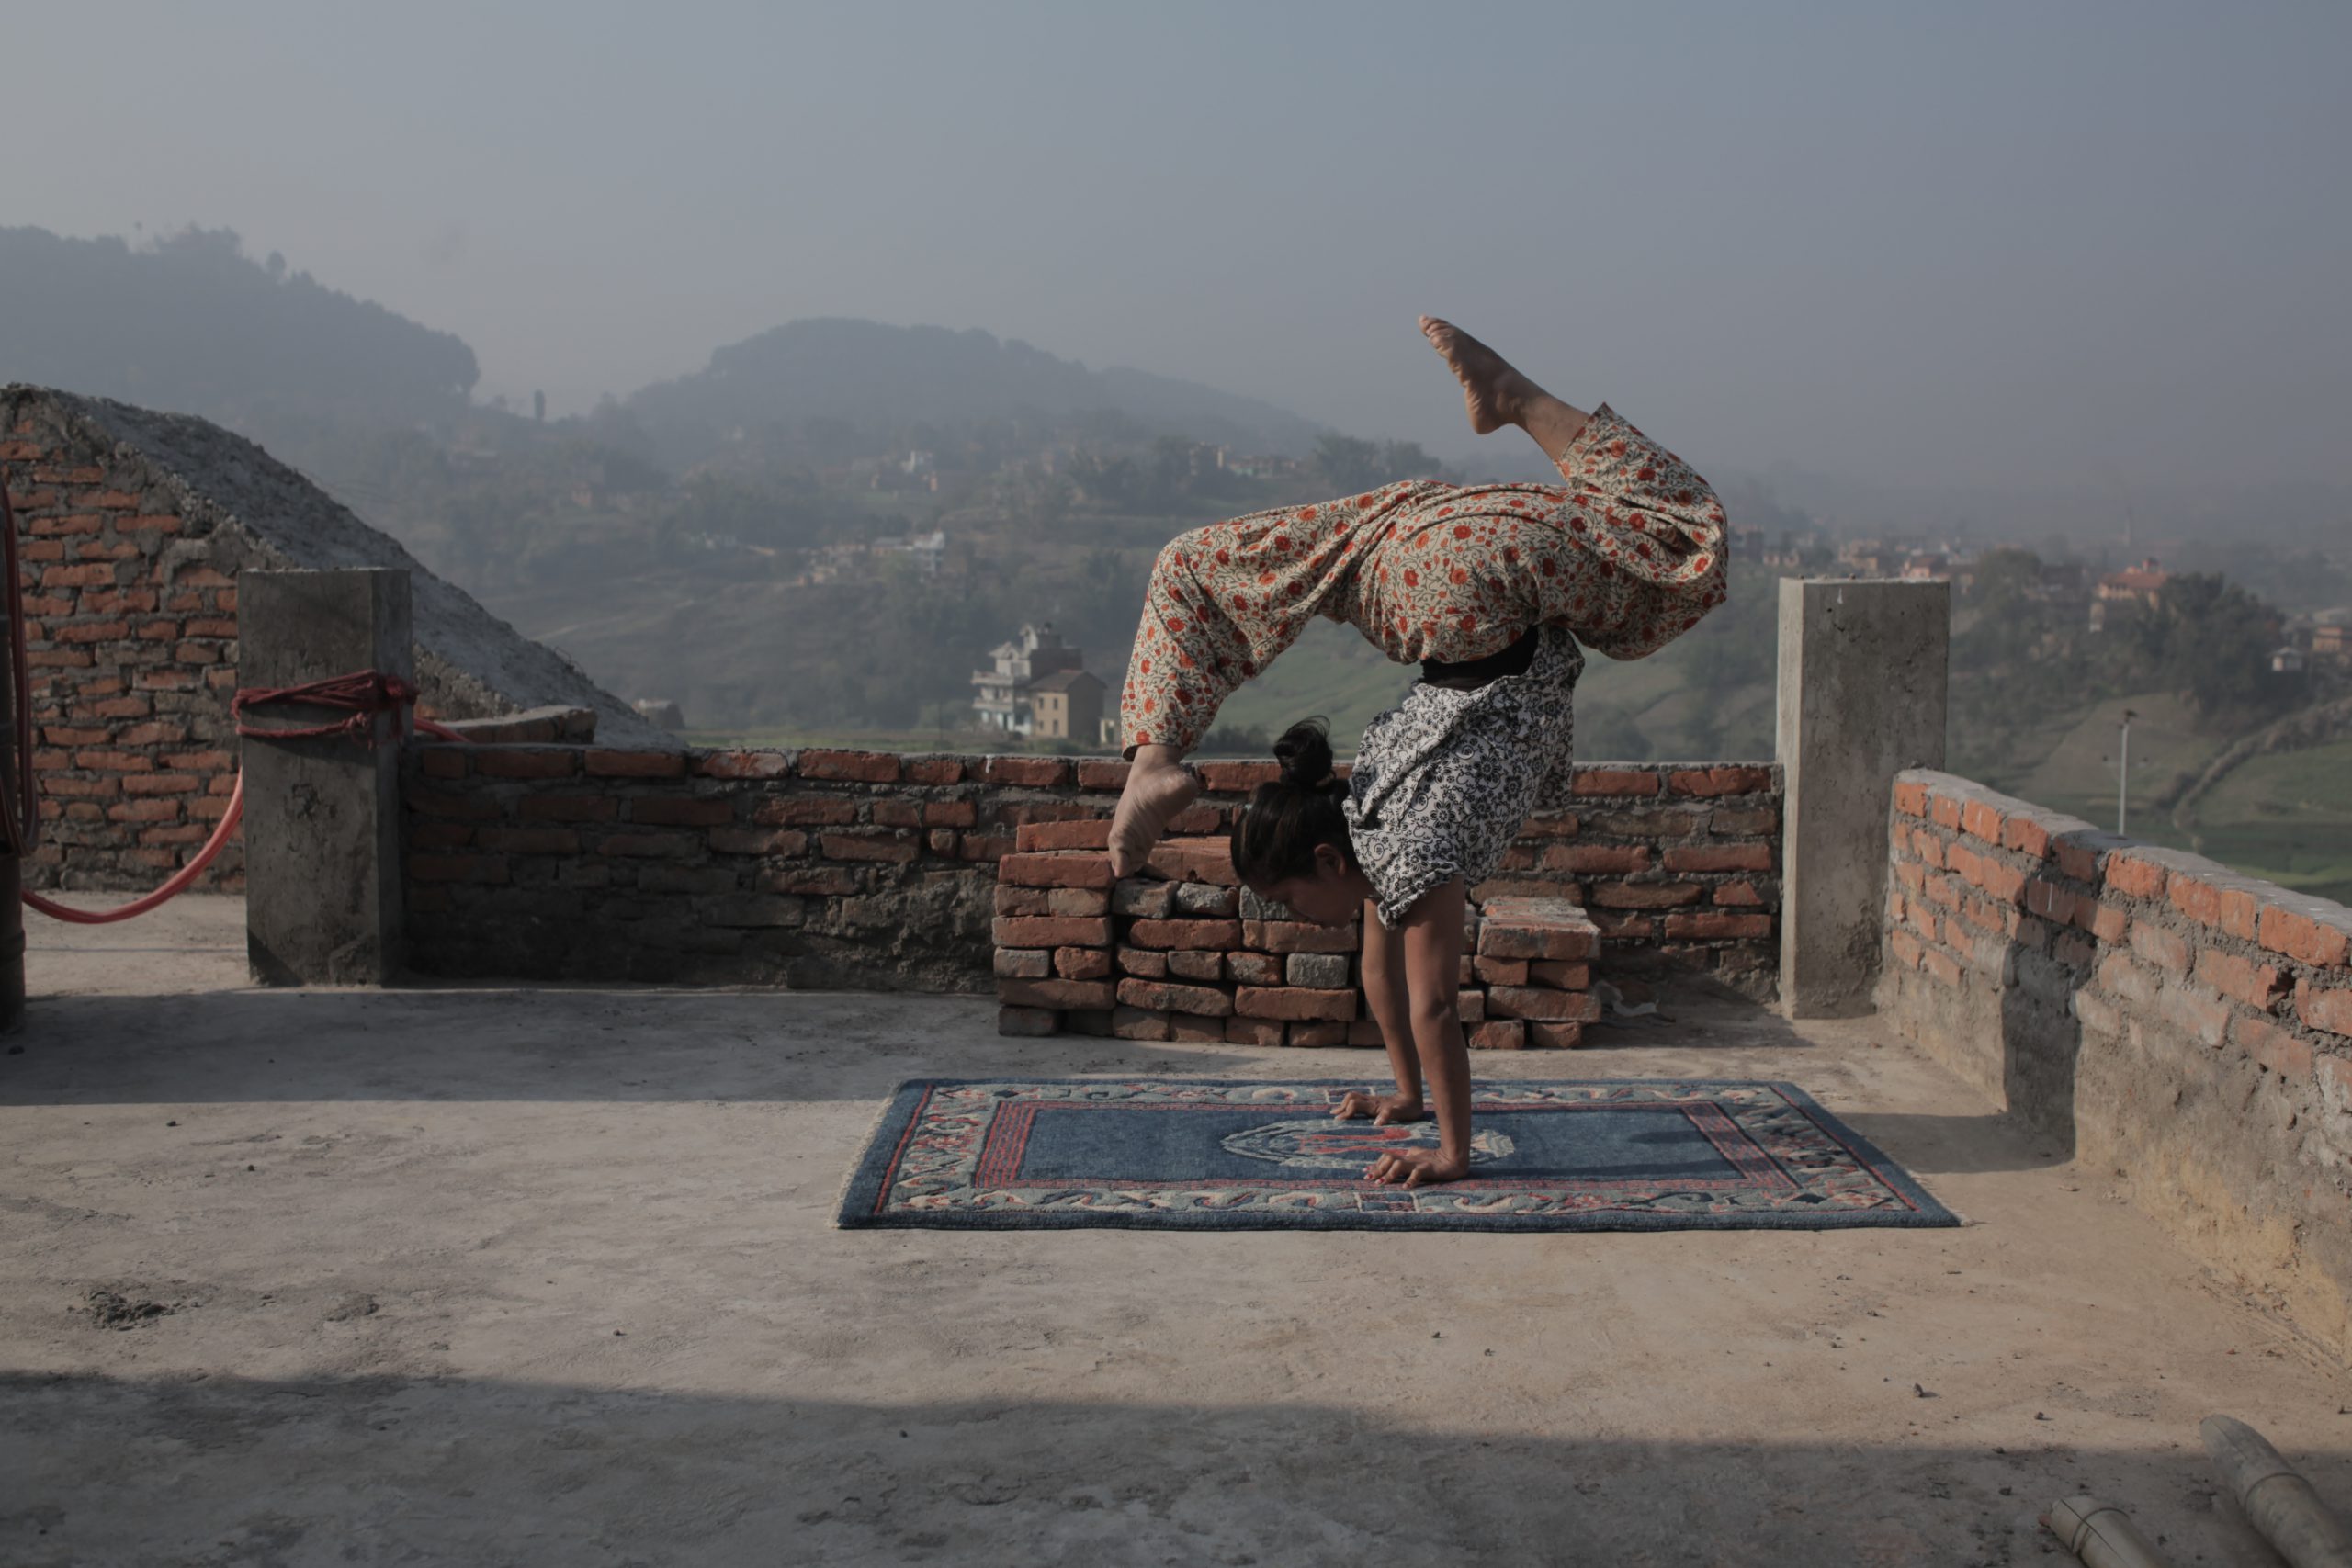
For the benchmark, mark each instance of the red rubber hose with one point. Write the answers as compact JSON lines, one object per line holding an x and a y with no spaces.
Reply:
{"x":178,"y":883}
{"x":187,"y":873}
{"x":23,"y":817}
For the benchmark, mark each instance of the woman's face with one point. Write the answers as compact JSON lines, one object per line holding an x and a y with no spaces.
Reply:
{"x":1331,"y":895}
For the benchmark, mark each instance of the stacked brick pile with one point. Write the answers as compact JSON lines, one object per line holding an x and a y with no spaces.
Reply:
{"x":1676,"y":863}
{"x":1186,"y":953}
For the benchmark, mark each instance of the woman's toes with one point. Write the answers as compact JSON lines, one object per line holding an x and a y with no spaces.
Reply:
{"x":1150,"y":800}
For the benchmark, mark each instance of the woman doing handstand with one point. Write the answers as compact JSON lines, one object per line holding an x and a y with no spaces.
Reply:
{"x":1490,"y":587}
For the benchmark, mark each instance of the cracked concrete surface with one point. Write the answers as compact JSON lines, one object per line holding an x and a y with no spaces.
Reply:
{"x":504,"y":1276}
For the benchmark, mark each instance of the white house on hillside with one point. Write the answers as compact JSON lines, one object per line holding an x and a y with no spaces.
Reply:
{"x":1002,"y":695}
{"x":927,"y":552}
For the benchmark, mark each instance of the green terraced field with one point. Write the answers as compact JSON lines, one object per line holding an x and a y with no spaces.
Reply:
{"x":2287,"y":817}
{"x":1331,"y":670}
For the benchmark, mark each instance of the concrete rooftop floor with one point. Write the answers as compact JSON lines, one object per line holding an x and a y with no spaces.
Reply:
{"x":498,"y":1275}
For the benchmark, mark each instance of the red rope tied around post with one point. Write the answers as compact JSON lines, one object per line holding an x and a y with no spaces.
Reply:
{"x":363,"y":694}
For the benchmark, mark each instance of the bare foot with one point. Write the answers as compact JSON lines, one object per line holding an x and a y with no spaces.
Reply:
{"x":1384,"y":1109}
{"x":1155,"y":793}
{"x":1494,"y":392}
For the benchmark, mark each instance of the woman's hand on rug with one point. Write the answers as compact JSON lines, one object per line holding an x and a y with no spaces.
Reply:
{"x":1417,"y":1168}
{"x":1384,"y":1109}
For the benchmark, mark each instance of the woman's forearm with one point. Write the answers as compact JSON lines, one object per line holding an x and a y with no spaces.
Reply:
{"x":1385,"y":993}
{"x":1444,"y":1063}
{"x":1433,"y":938}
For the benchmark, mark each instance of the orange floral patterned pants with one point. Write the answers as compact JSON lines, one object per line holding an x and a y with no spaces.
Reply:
{"x":1627,"y":554}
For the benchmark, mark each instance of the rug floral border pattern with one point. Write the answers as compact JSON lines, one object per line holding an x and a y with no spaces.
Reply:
{"x":948,"y":1151}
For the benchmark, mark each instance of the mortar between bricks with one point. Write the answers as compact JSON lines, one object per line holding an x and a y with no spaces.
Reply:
{"x":1189,"y":957}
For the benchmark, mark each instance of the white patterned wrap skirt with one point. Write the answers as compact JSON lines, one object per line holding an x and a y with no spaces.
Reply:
{"x":1445,"y":779}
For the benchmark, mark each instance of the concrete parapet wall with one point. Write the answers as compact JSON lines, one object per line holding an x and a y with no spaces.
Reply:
{"x":2155,"y":1013}
{"x":864,"y":868}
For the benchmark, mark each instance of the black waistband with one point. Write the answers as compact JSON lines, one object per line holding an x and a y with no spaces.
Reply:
{"x":1516,"y":659}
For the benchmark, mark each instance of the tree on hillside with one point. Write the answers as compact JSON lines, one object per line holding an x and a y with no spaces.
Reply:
{"x":1350,"y":466}
{"x":1034,"y":499}
{"x":2211,"y":640}
{"x":2004,"y":620}
{"x":1113,"y":482}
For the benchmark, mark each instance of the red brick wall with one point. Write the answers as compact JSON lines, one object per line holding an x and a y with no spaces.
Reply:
{"x":2151,"y":1012}
{"x":131,"y":652}
{"x":856,"y":868}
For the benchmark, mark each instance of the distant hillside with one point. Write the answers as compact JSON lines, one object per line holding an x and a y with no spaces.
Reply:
{"x":191,"y":324}
{"x":854,"y":385}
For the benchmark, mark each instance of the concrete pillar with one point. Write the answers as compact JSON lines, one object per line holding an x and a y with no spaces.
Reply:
{"x":322,"y":829}
{"x":1862,"y":674}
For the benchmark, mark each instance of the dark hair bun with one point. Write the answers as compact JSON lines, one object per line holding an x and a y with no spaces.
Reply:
{"x":1290,"y":817}
{"x":1304,"y":752}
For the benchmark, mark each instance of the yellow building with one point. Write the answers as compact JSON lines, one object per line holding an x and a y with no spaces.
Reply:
{"x":1066,"y":705}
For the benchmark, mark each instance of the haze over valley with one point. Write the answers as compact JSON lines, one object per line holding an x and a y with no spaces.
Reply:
{"x":792,"y":439}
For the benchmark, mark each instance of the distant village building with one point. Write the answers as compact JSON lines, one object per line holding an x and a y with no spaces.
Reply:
{"x":926,"y":551}
{"x":1874,"y":558}
{"x":2061,"y":583}
{"x":1258,"y":465}
{"x":840,"y":559}
{"x":1002,"y":695}
{"x":916,"y":471}
{"x":1794,"y":554}
{"x":2143,"y":585}
{"x":2330,"y":641}
{"x":2144,"y":582}
{"x":2288,"y":661}
{"x":1065,"y":705}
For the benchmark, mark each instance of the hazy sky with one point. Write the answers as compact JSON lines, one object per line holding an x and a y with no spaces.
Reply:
{"x":1899,"y":241}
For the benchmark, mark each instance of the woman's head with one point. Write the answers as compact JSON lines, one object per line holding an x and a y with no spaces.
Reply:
{"x":1290,"y":844}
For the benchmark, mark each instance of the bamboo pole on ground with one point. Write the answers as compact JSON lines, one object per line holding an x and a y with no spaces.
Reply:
{"x":2277,"y":1501}
{"x":2100,"y":1534}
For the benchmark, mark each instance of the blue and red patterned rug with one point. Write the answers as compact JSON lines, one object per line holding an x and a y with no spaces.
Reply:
{"x":1628,"y":1153}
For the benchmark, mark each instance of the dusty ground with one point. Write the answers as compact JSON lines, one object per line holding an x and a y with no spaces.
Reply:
{"x":492,"y":1276}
